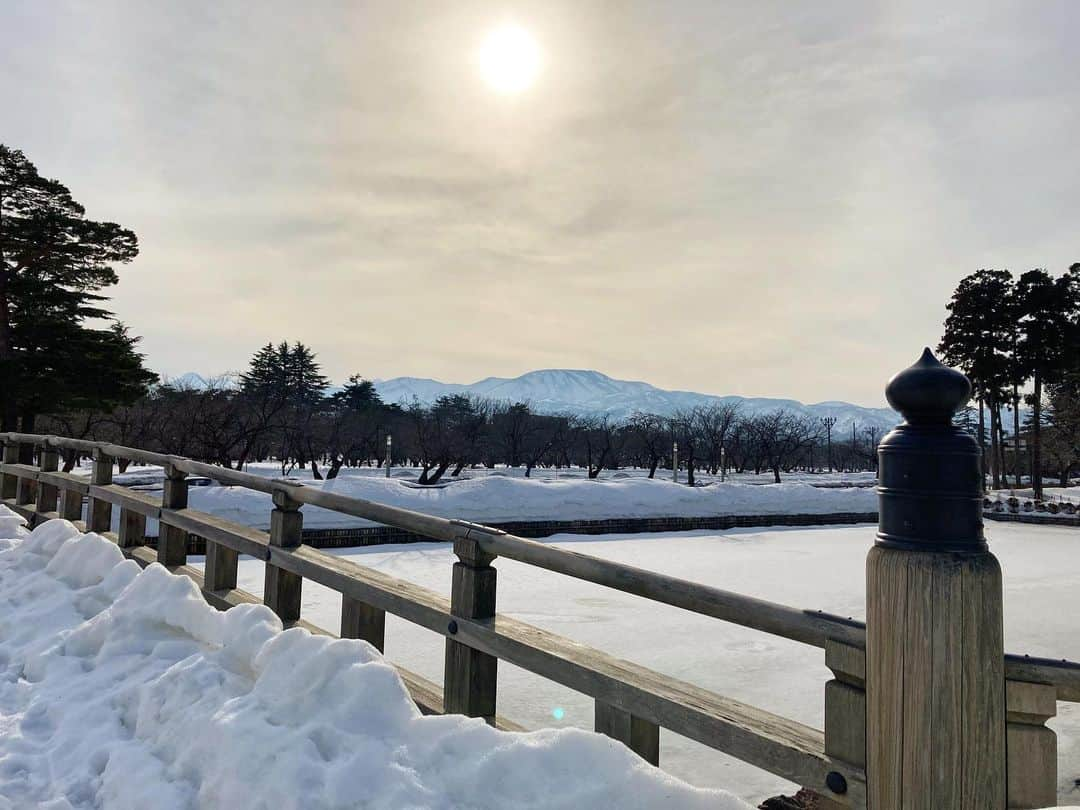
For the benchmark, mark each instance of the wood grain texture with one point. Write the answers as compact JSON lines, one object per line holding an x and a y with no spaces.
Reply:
{"x":47,"y":494}
{"x":173,"y":540}
{"x":363,"y":621}
{"x":98,"y":508}
{"x":221,"y":567}
{"x":470,"y":676}
{"x":935,"y":681}
{"x":640,"y":736}
{"x":282,"y":588}
{"x":9,"y":481}
{"x":132,"y":528}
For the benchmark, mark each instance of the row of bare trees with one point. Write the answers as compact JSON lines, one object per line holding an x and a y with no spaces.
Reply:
{"x":232,"y":424}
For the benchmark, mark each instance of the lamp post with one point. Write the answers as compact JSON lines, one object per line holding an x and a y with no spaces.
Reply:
{"x":675,"y":462}
{"x":828,"y":422}
{"x":389,"y":442}
{"x":723,"y":465}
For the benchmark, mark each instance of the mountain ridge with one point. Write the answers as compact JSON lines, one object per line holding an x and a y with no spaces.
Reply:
{"x":589,"y":392}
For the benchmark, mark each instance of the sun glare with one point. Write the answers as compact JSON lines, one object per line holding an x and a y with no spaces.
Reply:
{"x":509,"y":59}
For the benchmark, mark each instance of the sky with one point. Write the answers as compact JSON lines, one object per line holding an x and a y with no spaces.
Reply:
{"x":760,"y":198}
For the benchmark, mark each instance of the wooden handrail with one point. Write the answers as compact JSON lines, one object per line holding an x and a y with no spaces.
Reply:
{"x":806,"y":626}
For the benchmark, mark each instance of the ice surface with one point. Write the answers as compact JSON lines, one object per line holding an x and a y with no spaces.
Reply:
{"x":812,"y":568}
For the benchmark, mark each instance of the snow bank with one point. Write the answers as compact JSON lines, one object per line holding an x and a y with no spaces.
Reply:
{"x":497,"y":499}
{"x":122,"y":688}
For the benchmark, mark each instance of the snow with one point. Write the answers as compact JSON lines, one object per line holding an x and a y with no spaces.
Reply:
{"x":121,"y":688}
{"x":503,"y":498}
{"x":813,"y":568}
{"x":496,"y":499}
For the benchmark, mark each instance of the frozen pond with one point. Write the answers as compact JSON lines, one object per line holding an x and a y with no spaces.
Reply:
{"x":817,"y":568}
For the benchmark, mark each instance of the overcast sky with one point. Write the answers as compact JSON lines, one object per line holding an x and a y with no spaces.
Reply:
{"x":758,"y":198}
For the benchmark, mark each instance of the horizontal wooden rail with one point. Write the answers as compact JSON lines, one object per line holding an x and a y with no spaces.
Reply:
{"x":805,"y":626}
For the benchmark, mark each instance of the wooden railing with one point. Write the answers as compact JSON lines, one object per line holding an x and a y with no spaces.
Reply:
{"x":632,"y":702}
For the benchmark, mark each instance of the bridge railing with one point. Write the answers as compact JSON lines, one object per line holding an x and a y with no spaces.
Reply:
{"x":632,"y":702}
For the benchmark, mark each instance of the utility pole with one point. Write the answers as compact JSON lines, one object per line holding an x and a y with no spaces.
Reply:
{"x":828,"y":422}
{"x":389,"y":441}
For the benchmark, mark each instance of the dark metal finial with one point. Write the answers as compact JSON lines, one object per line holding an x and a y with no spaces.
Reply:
{"x":929,"y":471}
{"x":928,"y":393}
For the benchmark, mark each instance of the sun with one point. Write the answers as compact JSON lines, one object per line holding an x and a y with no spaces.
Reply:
{"x":509,"y":59}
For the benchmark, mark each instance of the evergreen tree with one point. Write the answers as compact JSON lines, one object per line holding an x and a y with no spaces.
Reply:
{"x":305,"y":381}
{"x":978,"y":339}
{"x":54,"y":263}
{"x":286,"y":374}
{"x":1045,"y":305}
{"x":357,"y":395}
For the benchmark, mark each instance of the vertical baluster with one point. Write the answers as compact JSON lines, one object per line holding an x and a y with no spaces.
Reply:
{"x":98,"y":510}
{"x":71,"y":504}
{"x":172,"y":541}
{"x":281,"y":588}
{"x":27,"y":487}
{"x":1032,"y":747}
{"x":48,"y":461}
{"x":470,"y":676}
{"x":361,"y":620}
{"x":221,"y":567}
{"x":845,"y":711}
{"x":132,"y":528}
{"x":636,"y":733}
{"x":9,"y":482}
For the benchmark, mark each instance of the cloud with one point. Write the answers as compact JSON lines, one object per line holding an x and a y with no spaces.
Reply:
{"x":750,"y":197}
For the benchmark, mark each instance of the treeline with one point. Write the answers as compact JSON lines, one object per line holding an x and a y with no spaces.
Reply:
{"x":279,"y":410}
{"x":1018,"y":340}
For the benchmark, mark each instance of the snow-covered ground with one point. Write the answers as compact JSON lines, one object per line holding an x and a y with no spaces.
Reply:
{"x":499,"y":498}
{"x":819,"y":568}
{"x":122,"y":688}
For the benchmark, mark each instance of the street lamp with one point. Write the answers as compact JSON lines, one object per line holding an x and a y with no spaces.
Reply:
{"x":828,"y":422}
{"x":723,"y":465}
{"x":389,"y":441}
{"x":675,"y":462}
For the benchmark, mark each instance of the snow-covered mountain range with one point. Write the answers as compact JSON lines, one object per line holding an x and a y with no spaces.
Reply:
{"x":590,"y":392}
{"x":584,"y":392}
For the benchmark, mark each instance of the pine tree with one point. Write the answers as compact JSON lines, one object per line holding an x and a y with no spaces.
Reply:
{"x":978,"y":339}
{"x":284,"y":373}
{"x":356,"y":395}
{"x":306,"y":383}
{"x":54,"y":263}
{"x":1044,"y":309}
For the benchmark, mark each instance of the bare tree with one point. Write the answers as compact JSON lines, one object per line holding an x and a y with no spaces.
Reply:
{"x":782,"y":437}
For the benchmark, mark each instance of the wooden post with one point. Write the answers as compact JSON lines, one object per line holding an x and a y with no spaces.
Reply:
{"x":935,"y":681}
{"x":361,"y":620}
{"x":172,"y":541}
{"x":26,"y":492}
{"x":48,"y":461}
{"x":132,"y":530}
{"x":71,"y":504}
{"x":845,"y":704}
{"x":9,"y":482}
{"x":99,"y":511}
{"x":1032,"y":747}
{"x":281,"y":588}
{"x":639,"y":735}
{"x":470,"y":676}
{"x":221,"y":567}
